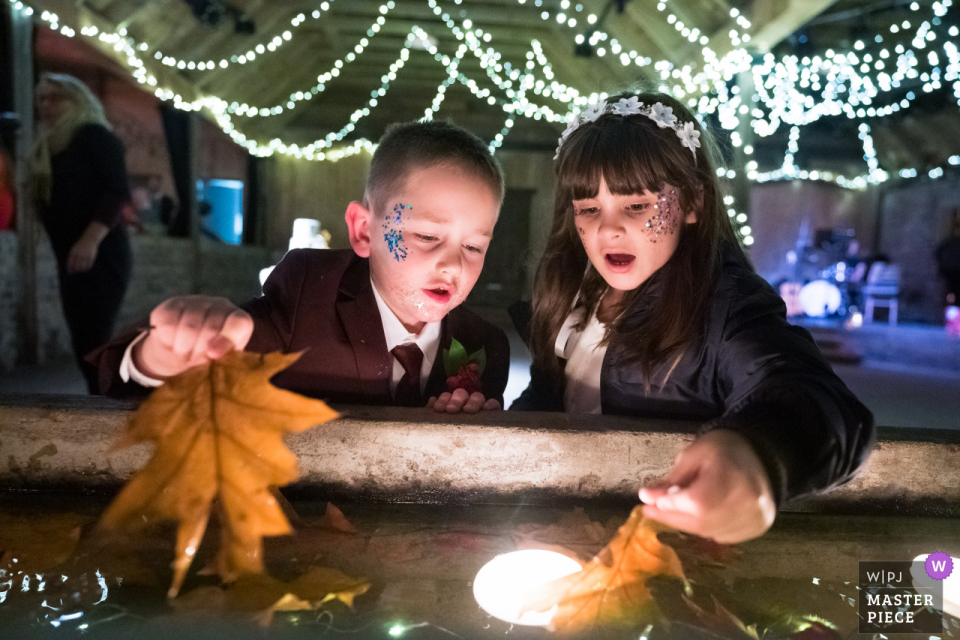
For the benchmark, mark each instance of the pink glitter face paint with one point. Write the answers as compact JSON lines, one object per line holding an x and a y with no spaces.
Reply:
{"x":393,"y":232}
{"x":666,"y":219}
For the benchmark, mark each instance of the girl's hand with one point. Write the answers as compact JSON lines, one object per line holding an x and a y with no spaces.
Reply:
{"x":82,"y":255}
{"x":460,"y":400}
{"x":717,"y":488}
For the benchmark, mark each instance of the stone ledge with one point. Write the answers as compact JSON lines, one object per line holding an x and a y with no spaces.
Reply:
{"x":412,"y":455}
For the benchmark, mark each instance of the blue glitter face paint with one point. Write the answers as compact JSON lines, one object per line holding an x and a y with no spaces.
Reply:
{"x":393,"y":232}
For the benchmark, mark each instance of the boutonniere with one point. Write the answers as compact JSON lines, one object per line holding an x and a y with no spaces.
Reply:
{"x":463,"y":370}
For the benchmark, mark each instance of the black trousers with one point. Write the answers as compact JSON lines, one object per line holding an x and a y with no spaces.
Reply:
{"x":91,"y":300}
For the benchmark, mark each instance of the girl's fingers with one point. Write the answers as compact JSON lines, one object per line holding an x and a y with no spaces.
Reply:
{"x":431,"y":402}
{"x":660,"y":489}
{"x":682,"y":521}
{"x":684,"y":471}
{"x":682,"y":501}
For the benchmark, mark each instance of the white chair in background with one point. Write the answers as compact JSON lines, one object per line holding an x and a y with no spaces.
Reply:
{"x":881,"y":290}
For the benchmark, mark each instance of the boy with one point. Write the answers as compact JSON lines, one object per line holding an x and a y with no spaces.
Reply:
{"x":373,"y":322}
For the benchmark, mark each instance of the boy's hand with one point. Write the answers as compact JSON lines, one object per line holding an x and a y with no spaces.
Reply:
{"x":717,"y":488}
{"x":188,"y":331}
{"x":460,"y":400}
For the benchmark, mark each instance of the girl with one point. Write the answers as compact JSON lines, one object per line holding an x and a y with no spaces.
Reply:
{"x":645,"y":305}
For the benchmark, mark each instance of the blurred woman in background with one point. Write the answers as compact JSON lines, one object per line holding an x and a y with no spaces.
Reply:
{"x":7,"y":191}
{"x":80,"y":185}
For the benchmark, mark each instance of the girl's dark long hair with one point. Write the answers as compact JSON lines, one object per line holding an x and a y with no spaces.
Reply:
{"x":633,"y":154}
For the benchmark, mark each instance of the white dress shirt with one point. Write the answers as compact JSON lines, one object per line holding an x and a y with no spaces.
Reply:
{"x":393,"y":331}
{"x":396,"y":334}
{"x":584,"y":357}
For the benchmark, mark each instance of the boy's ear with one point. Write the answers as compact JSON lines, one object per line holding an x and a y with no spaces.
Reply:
{"x":359,"y":223}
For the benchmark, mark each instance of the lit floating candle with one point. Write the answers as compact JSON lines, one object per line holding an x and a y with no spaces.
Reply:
{"x":502,"y":585}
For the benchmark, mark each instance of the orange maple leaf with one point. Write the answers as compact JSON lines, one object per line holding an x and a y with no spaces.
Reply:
{"x":610,"y":591}
{"x":218,"y":430}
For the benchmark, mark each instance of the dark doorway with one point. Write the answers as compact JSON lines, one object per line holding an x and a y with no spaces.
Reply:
{"x":504,"y":276}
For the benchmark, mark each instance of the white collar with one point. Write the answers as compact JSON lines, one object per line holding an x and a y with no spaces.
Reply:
{"x":395,"y":333}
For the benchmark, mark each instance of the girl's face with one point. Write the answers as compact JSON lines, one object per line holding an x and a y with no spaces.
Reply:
{"x":628,"y":238}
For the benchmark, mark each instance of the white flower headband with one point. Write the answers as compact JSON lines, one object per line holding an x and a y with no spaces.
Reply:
{"x":663,"y":116}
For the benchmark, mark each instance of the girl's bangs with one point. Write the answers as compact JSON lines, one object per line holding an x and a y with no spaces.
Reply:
{"x":627,"y":154}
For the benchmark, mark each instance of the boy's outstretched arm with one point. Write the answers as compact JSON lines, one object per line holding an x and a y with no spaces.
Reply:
{"x":717,"y":488}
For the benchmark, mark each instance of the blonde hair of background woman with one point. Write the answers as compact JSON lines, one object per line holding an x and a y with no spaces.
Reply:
{"x":84,"y":109}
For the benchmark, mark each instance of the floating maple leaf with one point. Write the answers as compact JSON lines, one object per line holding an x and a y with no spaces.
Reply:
{"x":218,"y":430}
{"x":611,"y":591}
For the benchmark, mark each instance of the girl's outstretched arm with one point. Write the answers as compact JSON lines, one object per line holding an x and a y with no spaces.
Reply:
{"x":790,"y":426}
{"x":717,"y":488}
{"x":780,"y":393}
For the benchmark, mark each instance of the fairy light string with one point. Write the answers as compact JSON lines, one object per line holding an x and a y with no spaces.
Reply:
{"x":790,"y":91}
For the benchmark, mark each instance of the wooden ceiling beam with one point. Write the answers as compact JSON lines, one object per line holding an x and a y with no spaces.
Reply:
{"x":774,"y":20}
{"x":86,"y":16}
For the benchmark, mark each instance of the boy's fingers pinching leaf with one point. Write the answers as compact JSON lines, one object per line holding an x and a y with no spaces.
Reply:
{"x":219,"y":346}
{"x":238,"y":327}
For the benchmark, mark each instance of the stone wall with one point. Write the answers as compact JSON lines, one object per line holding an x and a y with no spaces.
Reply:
{"x":163,"y":267}
{"x":9,"y":295}
{"x":913,"y":220}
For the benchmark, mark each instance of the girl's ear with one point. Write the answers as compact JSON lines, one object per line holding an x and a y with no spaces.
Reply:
{"x":691,"y":217}
{"x":359,"y":223}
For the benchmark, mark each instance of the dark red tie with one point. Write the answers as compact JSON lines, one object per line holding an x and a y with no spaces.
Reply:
{"x":410,"y":358}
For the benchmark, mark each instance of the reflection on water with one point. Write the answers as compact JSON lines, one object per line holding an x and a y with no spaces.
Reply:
{"x":420,"y":559}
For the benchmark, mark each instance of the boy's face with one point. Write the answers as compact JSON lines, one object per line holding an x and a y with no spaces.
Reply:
{"x":427,"y":243}
{"x":628,"y":238}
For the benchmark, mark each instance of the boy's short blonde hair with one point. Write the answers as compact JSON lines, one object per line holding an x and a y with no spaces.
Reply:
{"x":408,"y":146}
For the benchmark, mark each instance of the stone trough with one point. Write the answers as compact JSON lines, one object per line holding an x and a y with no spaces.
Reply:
{"x":477,"y":481}
{"x":413,"y":455}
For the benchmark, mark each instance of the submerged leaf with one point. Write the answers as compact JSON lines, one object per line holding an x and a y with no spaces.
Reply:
{"x":261,"y":596}
{"x":218,"y":430}
{"x":34,"y":544}
{"x":574,"y":535}
{"x":611,"y":590}
{"x":722,"y":622}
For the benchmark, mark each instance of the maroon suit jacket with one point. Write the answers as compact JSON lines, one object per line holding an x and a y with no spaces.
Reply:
{"x":321,"y":302}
